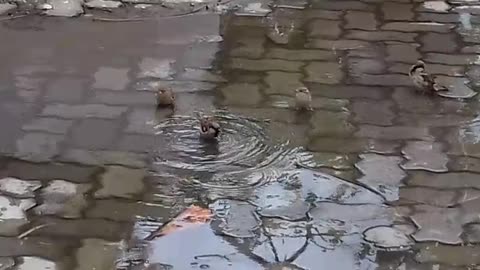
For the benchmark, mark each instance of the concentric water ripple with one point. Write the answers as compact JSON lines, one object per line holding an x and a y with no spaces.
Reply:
{"x":244,"y":156}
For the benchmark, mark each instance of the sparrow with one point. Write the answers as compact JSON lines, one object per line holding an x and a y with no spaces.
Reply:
{"x":424,"y":82}
{"x":209,"y":128}
{"x":165,"y":97}
{"x":303,"y":99}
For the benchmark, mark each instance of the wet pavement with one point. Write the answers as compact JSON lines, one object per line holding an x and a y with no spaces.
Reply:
{"x":376,"y":177}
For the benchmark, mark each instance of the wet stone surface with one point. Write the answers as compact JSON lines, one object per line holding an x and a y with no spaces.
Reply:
{"x":377,"y":176}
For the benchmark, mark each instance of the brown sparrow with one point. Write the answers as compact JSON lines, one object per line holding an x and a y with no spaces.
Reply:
{"x":424,"y":82}
{"x":303,"y":99}
{"x":209,"y":128}
{"x":165,"y":97}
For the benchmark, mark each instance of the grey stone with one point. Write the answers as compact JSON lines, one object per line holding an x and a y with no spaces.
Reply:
{"x":264,"y":64}
{"x":381,"y":173}
{"x":104,"y":157}
{"x":6,"y":7}
{"x":6,"y":263}
{"x":35,"y":246}
{"x":65,"y":8}
{"x":381,"y":35}
{"x":19,"y":188}
{"x":434,"y":42}
{"x":387,"y":237}
{"x":120,"y":182}
{"x":343,"y":5}
{"x":472,"y":233}
{"x":445,"y":180}
{"x":49,"y":171}
{"x":300,"y":55}
{"x":120,"y":210}
{"x":457,"y":87}
{"x":235,"y":218}
{"x":352,"y":145}
{"x":438,"y":224}
{"x":324,"y":72}
{"x":65,"y":90}
{"x":103,"y":4}
{"x":38,"y":146}
{"x":63,"y":199}
{"x":351,"y":91}
{"x":433,"y":197}
{"x":97,"y":254}
{"x":402,"y":52}
{"x":94,"y":134}
{"x":241,"y":94}
{"x":339,"y":44}
{"x":360,"y":20}
{"x":397,"y":11}
{"x":418,"y":27}
{"x":50,"y":125}
{"x":143,"y":121}
{"x":451,"y":59}
{"x":193,"y":74}
{"x":394,"y":133}
{"x":425,"y":156}
{"x":13,"y":214}
{"x":324,"y":28}
{"x":30,"y":262}
{"x":374,"y":113}
{"x":83,"y":111}
{"x":359,"y":66}
{"x":438,"y":17}
{"x":331,"y":124}
{"x":137,"y":143}
{"x":322,"y":14}
{"x":449,"y":255}
{"x":123,"y":98}
{"x":107,"y":77}
{"x":282,"y":83}
{"x":156,"y":68}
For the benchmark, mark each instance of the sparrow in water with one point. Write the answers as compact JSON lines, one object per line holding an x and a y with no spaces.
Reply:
{"x":303,"y":99}
{"x":423,"y":81}
{"x":209,"y":128}
{"x":165,"y":97}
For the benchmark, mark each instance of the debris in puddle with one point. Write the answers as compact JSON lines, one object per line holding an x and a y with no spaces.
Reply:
{"x":103,"y":4}
{"x":190,"y":217}
{"x":33,"y":229}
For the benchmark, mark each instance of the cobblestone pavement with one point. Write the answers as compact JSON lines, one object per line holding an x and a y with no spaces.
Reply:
{"x":376,"y":177}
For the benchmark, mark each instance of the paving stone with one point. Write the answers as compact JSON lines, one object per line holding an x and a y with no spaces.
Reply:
{"x":394,"y":133}
{"x":264,"y":64}
{"x":193,"y":74}
{"x":19,"y":188}
{"x":381,"y":173}
{"x":102,"y":138}
{"x":373,"y":50}
{"x":432,"y":120}
{"x":438,"y":18}
{"x":51,"y":249}
{"x":374,"y":113}
{"x":13,"y":214}
{"x":359,"y":66}
{"x":333,"y":160}
{"x":176,"y":86}
{"x":449,"y":180}
{"x":324,"y":72}
{"x":111,"y":78}
{"x":65,"y":89}
{"x":397,"y":11}
{"x":462,"y":163}
{"x":425,"y":156}
{"x":451,"y":59}
{"x":340,"y":44}
{"x":233,"y":213}
{"x":381,"y":35}
{"x":434,"y":42}
{"x":331,"y":124}
{"x":97,"y":254}
{"x":434,"y":6}
{"x":49,"y":125}
{"x":38,"y":147}
{"x":5,"y":8}
{"x":437,"y":224}
{"x":241,"y":94}
{"x":80,"y":228}
{"x":101,"y":158}
{"x":433,"y":197}
{"x":7,"y":263}
{"x":30,"y":263}
{"x":322,"y":14}
{"x":434,"y":69}
{"x":349,"y":91}
{"x":449,"y":255}
{"x":351,"y":218}
{"x":123,"y":98}
{"x":463,"y":142}
{"x":283,"y":83}
{"x":360,"y":20}
{"x":403,"y":52}
{"x":383,"y":80}
{"x":324,"y":28}
{"x":137,"y":143}
{"x":343,"y":5}
{"x":120,"y":182}
{"x":300,"y":55}
{"x":407,"y":100}
{"x":83,"y":111}
{"x":63,"y":199}
{"x":156,"y":68}
{"x":199,"y":55}
{"x":418,"y":27}
{"x":472,"y":233}
{"x":49,"y":171}
{"x":352,"y":145}
{"x":387,"y":237}
{"x":458,"y":87}
{"x":123,"y":211}
{"x":470,"y":49}
{"x":142,"y":121}
{"x":249,"y":48}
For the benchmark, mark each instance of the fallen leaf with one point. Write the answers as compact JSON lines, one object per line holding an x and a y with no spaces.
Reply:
{"x":190,"y":217}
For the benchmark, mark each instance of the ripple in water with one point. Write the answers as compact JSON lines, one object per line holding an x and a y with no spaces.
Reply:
{"x":244,"y":155}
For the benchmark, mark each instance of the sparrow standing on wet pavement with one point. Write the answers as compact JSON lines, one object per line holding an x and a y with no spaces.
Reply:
{"x":303,"y":99}
{"x":165,"y":97}
{"x":424,"y":82}
{"x":209,"y":128}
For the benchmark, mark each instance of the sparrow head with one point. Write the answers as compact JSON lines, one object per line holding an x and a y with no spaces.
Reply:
{"x":420,"y":65}
{"x":302,"y":90}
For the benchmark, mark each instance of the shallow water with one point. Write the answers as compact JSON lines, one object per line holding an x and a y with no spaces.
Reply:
{"x":376,"y":177}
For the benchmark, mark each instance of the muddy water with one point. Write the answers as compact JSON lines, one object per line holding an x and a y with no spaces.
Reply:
{"x":376,"y":177}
